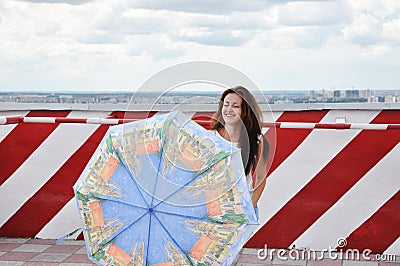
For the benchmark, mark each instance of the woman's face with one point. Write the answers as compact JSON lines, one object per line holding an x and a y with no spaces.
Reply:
{"x":232,"y":109}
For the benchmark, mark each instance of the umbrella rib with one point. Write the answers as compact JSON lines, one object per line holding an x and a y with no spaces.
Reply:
{"x":98,"y":196}
{"x":185,"y":216}
{"x":191,"y":180}
{"x":157,"y":175}
{"x":126,"y":203}
{"x":148,"y":239}
{"x":194,"y":217}
{"x":176,"y":191}
{"x":173,"y":239}
{"x":135,"y":182}
{"x":159,"y":163}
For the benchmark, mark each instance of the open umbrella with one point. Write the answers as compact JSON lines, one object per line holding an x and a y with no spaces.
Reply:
{"x":164,"y":191}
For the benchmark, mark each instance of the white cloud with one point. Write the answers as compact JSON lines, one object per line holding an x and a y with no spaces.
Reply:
{"x":204,"y":6}
{"x":69,"y":2}
{"x":220,"y":38}
{"x":95,"y":44}
{"x":364,"y":30}
{"x":304,"y":37}
{"x":374,"y":23}
{"x":391,"y":31}
{"x":313,"y":14}
{"x":214,"y":7}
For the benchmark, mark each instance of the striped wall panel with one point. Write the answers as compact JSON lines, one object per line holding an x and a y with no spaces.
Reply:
{"x":322,"y":185}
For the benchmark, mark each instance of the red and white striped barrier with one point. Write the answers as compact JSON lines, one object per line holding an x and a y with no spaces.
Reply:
{"x":322,"y":185}
{"x":112,"y":121}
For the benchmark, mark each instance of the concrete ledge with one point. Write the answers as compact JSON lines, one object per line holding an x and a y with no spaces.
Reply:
{"x":189,"y":107}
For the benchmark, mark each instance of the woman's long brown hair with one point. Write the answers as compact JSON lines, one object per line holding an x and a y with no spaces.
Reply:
{"x":251,"y":121}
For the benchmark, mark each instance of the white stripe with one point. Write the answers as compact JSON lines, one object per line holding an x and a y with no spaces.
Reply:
{"x":99,"y":120}
{"x":369,"y":126}
{"x":356,"y":206}
{"x":394,"y":248}
{"x":297,"y":125}
{"x":190,"y":114}
{"x":105,"y":121}
{"x":270,"y":117}
{"x":6,"y":129}
{"x":52,"y":154}
{"x":64,"y":222}
{"x":3,"y":120}
{"x":39,"y":119}
{"x":94,"y":120}
{"x":316,"y":151}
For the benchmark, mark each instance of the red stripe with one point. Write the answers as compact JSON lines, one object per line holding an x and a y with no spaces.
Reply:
{"x":70,"y":120}
{"x":380,"y":230}
{"x":55,"y":193}
{"x":131,"y":114}
{"x":287,"y":140}
{"x":23,"y":140}
{"x":333,"y":126}
{"x":14,"y":119}
{"x":80,"y":236}
{"x":328,"y":186}
{"x":204,"y":117}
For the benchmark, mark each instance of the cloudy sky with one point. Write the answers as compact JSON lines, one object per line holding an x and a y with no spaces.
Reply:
{"x":116,"y":45}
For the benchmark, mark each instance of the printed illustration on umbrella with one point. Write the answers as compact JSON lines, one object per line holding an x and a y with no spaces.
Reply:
{"x":164,"y":191}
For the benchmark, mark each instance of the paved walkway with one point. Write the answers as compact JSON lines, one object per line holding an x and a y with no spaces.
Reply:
{"x":17,"y":251}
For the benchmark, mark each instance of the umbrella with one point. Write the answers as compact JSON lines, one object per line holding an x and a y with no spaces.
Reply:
{"x":164,"y":191}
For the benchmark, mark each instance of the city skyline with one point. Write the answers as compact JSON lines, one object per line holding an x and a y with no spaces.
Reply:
{"x":203,"y":97}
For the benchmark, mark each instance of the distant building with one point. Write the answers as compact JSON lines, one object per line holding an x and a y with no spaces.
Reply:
{"x":336,"y":94}
{"x":326,"y":94}
{"x":283,"y":101}
{"x":365,"y":93}
{"x":390,"y":99}
{"x":372,"y":99}
{"x":352,"y":94}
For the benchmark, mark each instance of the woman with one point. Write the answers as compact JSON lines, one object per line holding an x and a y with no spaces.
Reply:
{"x":238,"y":120}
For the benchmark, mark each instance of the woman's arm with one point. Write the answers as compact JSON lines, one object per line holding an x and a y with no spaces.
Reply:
{"x":261,"y":170}
{"x":258,"y":191}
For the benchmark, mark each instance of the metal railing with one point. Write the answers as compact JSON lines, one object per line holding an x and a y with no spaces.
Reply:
{"x":6,"y":120}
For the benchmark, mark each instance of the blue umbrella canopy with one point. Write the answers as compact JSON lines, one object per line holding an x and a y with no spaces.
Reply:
{"x":164,"y":191}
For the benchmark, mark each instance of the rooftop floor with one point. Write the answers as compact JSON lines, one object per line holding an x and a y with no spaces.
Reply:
{"x":21,"y":251}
